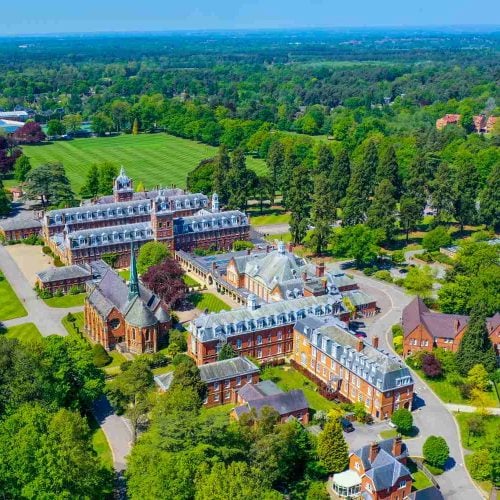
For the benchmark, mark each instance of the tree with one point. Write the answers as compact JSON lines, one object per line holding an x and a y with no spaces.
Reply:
{"x":120,"y":114}
{"x":166,"y":281}
{"x":298,"y":204}
{"x":478,"y":378}
{"x":419,"y":280}
{"x":489,"y":200}
{"x":436,"y":451}
{"x":475,"y":347}
{"x":55,"y":127}
{"x":201,"y":179}
{"x":101,"y":124}
{"x":480,"y":465}
{"x":5,"y":205}
{"x":240,"y":181}
{"x":151,"y":254}
{"x":436,"y":238}
{"x":107,"y":174}
{"x":49,"y":183}
{"x":187,"y":376}
{"x":417,"y":181}
{"x":431,"y":366}
{"x":442,"y":193}
{"x":100,"y":356}
{"x":135,"y":127}
{"x":467,"y":122}
{"x":388,"y":169}
{"x":29,"y":133}
{"x":322,"y":213}
{"x":263,"y":190}
{"x":356,"y":202}
{"x":275,"y":161}
{"x":325,"y":161}
{"x":369,"y":167}
{"x":227,"y":352}
{"x":410,"y":213}
{"x":317,"y":491}
{"x":403,"y":419}
{"x":292,"y":162}
{"x":21,"y":168}
{"x":341,"y":173}
{"x":358,"y":242}
{"x":91,"y":187}
{"x":220,"y":178}
{"x":466,"y":192}
{"x":332,"y":449}
{"x":382,"y":211}
{"x":73,"y":123}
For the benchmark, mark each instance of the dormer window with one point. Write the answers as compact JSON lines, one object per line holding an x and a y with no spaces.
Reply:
{"x":116,"y":236}
{"x":104,"y":237}
{"x":89,"y":215}
{"x":130,"y":210}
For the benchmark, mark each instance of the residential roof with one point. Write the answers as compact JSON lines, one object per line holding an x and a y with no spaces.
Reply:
{"x":205,"y":220}
{"x":63,"y":273}
{"x":379,"y":368}
{"x":430,"y":493}
{"x":21,"y":221}
{"x":386,"y":445}
{"x":359,"y":298}
{"x":284,"y":403}
{"x":251,"y":392}
{"x":164,"y":381}
{"x":228,"y":368}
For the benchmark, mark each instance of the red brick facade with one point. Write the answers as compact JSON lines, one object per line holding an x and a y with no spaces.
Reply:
{"x":221,"y":392}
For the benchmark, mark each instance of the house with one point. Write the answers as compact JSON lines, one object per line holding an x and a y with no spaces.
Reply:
{"x":130,"y":318}
{"x":291,"y":404}
{"x":381,"y":471}
{"x":350,"y":368}
{"x":263,"y":331}
{"x":223,"y":378}
{"x":425,"y":330}
{"x":448,"y":119}
{"x":483,"y":124}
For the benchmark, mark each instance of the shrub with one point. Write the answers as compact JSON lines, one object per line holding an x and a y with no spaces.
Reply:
{"x":70,"y":317}
{"x":436,"y":471}
{"x":480,"y":464}
{"x":181,"y":358}
{"x":46,"y":250}
{"x":359,"y":411}
{"x":45,"y":294}
{"x":369,"y":271}
{"x":125,"y":365}
{"x":242,"y":245}
{"x":398,"y":344}
{"x":383,"y":275}
{"x":99,"y":356}
{"x":431,"y":366}
{"x":75,"y":290}
{"x":398,"y":257}
{"x":436,"y":451}
{"x":178,"y":338}
{"x":33,"y":239}
{"x":57,"y":261}
{"x":403,"y":419}
{"x":437,"y":238}
{"x":447,"y":359}
{"x":415,"y":360}
{"x":58,"y":293}
{"x":397,"y":330}
{"x":157,"y":360}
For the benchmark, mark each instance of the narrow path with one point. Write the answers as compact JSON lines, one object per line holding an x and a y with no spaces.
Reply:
{"x":47,"y":319}
{"x":470,"y":409}
{"x":433,"y":417}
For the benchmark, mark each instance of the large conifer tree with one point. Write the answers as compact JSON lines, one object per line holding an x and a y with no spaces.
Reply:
{"x":356,"y":200}
{"x":322,"y":213}
{"x":382,"y":211}
{"x":340,"y":176}
{"x":222,"y":166}
{"x":369,"y":167}
{"x":299,"y":203}
{"x":489,"y":200}
{"x":275,"y":162}
{"x":325,"y":160}
{"x":388,"y":168}
{"x":332,"y":448}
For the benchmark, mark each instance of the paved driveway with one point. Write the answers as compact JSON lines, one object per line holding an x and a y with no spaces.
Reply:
{"x":47,"y":319}
{"x":432,"y":417}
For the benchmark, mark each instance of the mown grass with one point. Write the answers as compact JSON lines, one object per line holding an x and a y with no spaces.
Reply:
{"x":100,"y":443}
{"x":26,"y":332}
{"x":190,"y":281}
{"x":75,"y":327}
{"x":208,"y":301}
{"x":217,"y":411}
{"x":287,"y":379}
{"x":150,"y":158}
{"x":66,"y":300}
{"x":10,"y":305}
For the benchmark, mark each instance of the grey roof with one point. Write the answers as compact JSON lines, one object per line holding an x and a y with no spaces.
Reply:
{"x":205,"y":220}
{"x":380,"y":369}
{"x":251,"y":392}
{"x":21,"y":221}
{"x":138,"y":314}
{"x":284,"y":403}
{"x":358,"y":297}
{"x":228,"y":368}
{"x":63,"y":273}
{"x":339,"y":279}
{"x":364,"y":452}
{"x":228,"y":323}
{"x":164,"y":381}
{"x":430,"y":493}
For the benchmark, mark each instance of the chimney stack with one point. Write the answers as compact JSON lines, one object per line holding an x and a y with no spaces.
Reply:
{"x":373,"y":451}
{"x":397,"y":446}
{"x":359,"y":345}
{"x":320,"y":269}
{"x":456,"y":324}
{"x":375,"y":342}
{"x":267,"y":248}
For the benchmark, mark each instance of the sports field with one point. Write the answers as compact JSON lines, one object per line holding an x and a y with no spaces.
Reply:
{"x":151,"y":158}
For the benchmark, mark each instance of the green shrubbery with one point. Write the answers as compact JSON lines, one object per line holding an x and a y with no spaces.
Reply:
{"x":397,"y":338}
{"x":383,"y":275}
{"x":99,"y":356}
{"x":436,"y":451}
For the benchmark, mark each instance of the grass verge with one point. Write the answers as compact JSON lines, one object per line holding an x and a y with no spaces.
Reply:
{"x":66,"y":300}
{"x":10,"y":305}
{"x":26,"y":332}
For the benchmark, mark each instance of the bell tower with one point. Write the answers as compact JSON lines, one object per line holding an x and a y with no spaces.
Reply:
{"x":123,"y":189}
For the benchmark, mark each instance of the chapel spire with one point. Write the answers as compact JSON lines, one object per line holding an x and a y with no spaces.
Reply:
{"x":133,"y":285}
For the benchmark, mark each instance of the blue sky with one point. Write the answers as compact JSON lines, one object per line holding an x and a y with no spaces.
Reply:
{"x":49,"y":16}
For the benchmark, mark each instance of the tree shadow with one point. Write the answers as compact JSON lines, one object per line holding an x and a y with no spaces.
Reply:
{"x":450,"y":464}
{"x":418,"y":402}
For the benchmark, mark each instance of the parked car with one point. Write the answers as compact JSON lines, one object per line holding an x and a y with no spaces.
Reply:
{"x":392,"y":424}
{"x":346,"y":425}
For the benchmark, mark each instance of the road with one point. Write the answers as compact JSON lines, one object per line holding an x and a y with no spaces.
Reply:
{"x":432,"y":417}
{"x":47,"y":319}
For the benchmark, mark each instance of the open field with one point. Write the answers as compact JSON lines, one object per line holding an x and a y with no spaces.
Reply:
{"x":150,"y":158}
{"x":10,"y":305}
{"x":25,"y":332}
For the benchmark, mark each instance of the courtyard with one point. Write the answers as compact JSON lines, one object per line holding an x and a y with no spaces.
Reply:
{"x":30,"y":259}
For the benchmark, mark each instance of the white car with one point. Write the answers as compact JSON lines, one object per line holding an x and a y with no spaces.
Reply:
{"x":392,"y":424}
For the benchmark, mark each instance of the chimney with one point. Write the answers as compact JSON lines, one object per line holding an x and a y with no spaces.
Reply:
{"x":320,"y":269}
{"x":252,"y":302}
{"x":267,"y":248}
{"x":214,"y":266}
{"x":373,"y":451}
{"x":289,"y":247}
{"x":304,"y":276}
{"x":397,"y":446}
{"x":359,"y":345}
{"x":375,"y":342}
{"x":456,"y":324}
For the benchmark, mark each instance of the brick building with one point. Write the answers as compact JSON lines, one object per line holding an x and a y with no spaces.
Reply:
{"x":352,"y":368}
{"x":130,"y":318}
{"x":262,"y":331}
{"x":425,"y":330}
{"x":483,"y":124}
{"x":107,"y":226}
{"x":268,"y":394}
{"x":381,"y":472}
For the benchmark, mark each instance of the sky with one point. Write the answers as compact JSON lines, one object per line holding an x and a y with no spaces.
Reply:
{"x":63,"y":16}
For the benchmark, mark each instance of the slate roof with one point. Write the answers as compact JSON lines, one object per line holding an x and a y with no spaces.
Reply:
{"x":379,"y":368}
{"x":227,"y":323}
{"x":63,"y":273}
{"x":386,"y":445}
{"x":138,"y":314}
{"x":205,"y":220}
{"x":358,"y":297}
{"x":339,"y":279}
{"x":430,"y":493}
{"x":21,"y":221}
{"x":251,"y":392}
{"x":164,"y":381}
{"x":228,"y":368}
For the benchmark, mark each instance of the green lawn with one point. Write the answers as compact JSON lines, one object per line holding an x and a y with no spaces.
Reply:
{"x":124,"y":274}
{"x":273,"y":215}
{"x":190,"y":281}
{"x":100,"y":443}
{"x":10,"y":305}
{"x":75,"y":327}
{"x":25,"y":332}
{"x":287,"y":378}
{"x":420,"y":480}
{"x":66,"y":300}
{"x":216,"y":411}
{"x":150,"y":158}
{"x":208,"y":301}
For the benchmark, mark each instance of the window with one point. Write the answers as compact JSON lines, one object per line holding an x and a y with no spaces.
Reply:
{"x":259,"y":353}
{"x":238,"y":381}
{"x":239,"y":343}
{"x":259,"y":339}
{"x":323,"y":358}
{"x":280,"y":348}
{"x":249,"y":378}
{"x":216,"y":397}
{"x":402,"y":484}
{"x":280,"y":335}
{"x":216,"y":386}
{"x":227,"y":395}
{"x":227,"y":383}
{"x":313,"y":352}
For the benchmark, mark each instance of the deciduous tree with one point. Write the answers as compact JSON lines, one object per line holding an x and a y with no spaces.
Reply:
{"x":91,"y":187}
{"x":403,"y":419}
{"x":489,"y":200}
{"x":29,"y":133}
{"x":151,"y":254}
{"x":410,"y":213}
{"x":275,"y":162}
{"x":165,"y":279}
{"x":436,"y":238}
{"x":4,"y":200}
{"x":49,"y":183}
{"x":21,"y":168}
{"x":436,"y":451}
